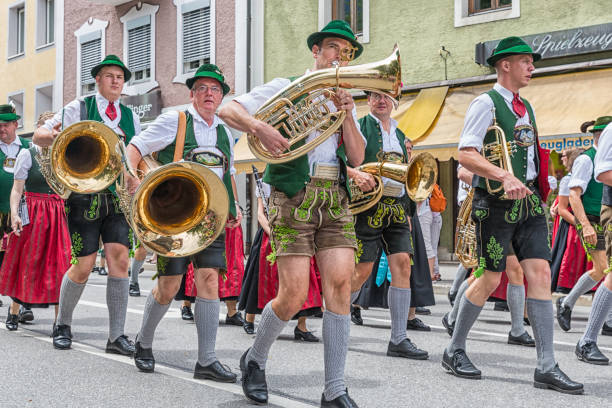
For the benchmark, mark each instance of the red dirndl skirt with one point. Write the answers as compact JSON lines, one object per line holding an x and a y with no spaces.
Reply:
{"x":574,"y":262}
{"x":268,"y":279}
{"x":500,"y":291}
{"x":234,"y":253}
{"x":36,"y":261}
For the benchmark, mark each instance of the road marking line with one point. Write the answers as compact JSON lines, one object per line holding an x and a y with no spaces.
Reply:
{"x":170,"y":371}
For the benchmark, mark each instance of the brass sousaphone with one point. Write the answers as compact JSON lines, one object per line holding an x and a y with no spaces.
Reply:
{"x":302,"y":106}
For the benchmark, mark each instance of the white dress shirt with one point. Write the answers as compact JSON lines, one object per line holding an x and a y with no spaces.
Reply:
{"x":390,"y":143}
{"x":582,"y":172}
{"x":603,"y":157}
{"x":11,"y":151}
{"x":24,"y":163}
{"x":162,"y":132}
{"x":479,"y":117}
{"x":71,"y":114}
{"x":564,"y":185}
{"x":326,"y":151}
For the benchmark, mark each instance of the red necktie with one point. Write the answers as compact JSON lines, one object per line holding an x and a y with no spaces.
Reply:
{"x":518,"y":106}
{"x":111,"y":112}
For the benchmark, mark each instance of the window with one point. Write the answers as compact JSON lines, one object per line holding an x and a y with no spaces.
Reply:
{"x":195,"y":38}
{"x":43,"y":100}
{"x":139,"y":48}
{"x":16,"y":28}
{"x":350,"y":11}
{"x":91,"y":46}
{"x":478,"y":6}
{"x":354,"y":12}
{"x":16,"y":100}
{"x":45,"y":34}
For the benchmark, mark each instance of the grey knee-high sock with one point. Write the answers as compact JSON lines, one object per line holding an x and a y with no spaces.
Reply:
{"x":609,"y":319}
{"x":153,"y":313}
{"x":452,"y":316}
{"x":582,"y":286}
{"x":117,"y":290}
{"x":399,"y":306}
{"x":515,"y":295}
{"x":136,"y":265}
{"x":70,"y":293}
{"x":468,"y":313}
{"x":206,"y":315}
{"x":540,"y":314}
{"x":459,"y":279}
{"x":336,"y":330}
{"x":602,"y":305}
{"x":268,"y":330}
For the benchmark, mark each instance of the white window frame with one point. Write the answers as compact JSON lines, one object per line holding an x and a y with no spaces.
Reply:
{"x":36,"y":97}
{"x":462,"y":17}
{"x":133,"y":14}
{"x":21,"y":121}
{"x":180,"y":76}
{"x":325,"y":16}
{"x":12,"y":27}
{"x":42,"y":24}
{"x":90,"y":27}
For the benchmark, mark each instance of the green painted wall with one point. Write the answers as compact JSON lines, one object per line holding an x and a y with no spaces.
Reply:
{"x":420,"y":27}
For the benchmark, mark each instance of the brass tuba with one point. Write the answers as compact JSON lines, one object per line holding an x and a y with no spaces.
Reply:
{"x":498,"y":153}
{"x":465,"y":234}
{"x":418,"y":177}
{"x":85,"y":158}
{"x":178,"y":209}
{"x":302,"y":106}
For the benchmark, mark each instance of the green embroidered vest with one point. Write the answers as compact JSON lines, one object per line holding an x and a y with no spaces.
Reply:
{"x":6,"y":180}
{"x":506,"y":119}
{"x":36,"y":182}
{"x":374,"y":144}
{"x":166,"y":155}
{"x":292,"y":176}
{"x":591,"y":198}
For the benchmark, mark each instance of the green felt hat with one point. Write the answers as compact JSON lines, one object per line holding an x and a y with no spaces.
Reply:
{"x":209,"y":71}
{"x":8,"y":114}
{"x":336,"y":28}
{"x":511,"y":46}
{"x":600,"y":123}
{"x":112,"y":60}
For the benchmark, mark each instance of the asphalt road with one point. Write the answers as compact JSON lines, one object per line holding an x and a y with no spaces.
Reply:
{"x":34,"y":374}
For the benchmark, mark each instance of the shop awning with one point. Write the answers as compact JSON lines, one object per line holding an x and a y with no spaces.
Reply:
{"x":244,"y":159}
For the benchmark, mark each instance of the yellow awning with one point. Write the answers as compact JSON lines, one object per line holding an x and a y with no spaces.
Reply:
{"x":422,"y":113}
{"x":244,"y":159}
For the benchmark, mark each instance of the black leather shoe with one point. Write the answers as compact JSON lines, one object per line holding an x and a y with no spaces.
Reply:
{"x":215,"y":371}
{"x":186,"y":313}
{"x":134,"y":289}
{"x":523,"y":340}
{"x":304,"y":336}
{"x":25,"y":314}
{"x":143,"y":357}
{"x":249,"y":327}
{"x":451,"y":298}
{"x":12,"y":322}
{"x":122,"y":345}
{"x":62,"y":337}
{"x":422,"y":311}
{"x":556,"y":380}
{"x":589,"y":353}
{"x":417,"y":324}
{"x":254,"y":384}
{"x":501,"y":306}
{"x":356,"y":316}
{"x":235,"y":320}
{"x":1,"y":302}
{"x":564,"y":315}
{"x":406,"y":349}
{"x":343,"y":401}
{"x":460,"y":365}
{"x":95,"y":269}
{"x":606,"y":330}
{"x":526,"y":321}
{"x":450,"y":328}
{"x":102,"y":272}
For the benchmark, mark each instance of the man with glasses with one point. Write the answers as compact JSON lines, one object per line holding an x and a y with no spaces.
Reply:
{"x":309,"y":216}
{"x":208,"y":141}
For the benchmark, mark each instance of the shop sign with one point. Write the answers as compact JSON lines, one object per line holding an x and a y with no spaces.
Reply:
{"x":560,"y":144}
{"x":147,"y":107}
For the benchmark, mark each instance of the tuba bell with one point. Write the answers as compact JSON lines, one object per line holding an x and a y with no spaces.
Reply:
{"x":465,"y":234}
{"x":178,"y":209}
{"x":418,"y":177}
{"x":85,"y":158}
{"x":302,"y":106}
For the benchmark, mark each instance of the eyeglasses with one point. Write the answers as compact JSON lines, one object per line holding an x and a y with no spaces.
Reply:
{"x":376,"y":96}
{"x":215,"y":90}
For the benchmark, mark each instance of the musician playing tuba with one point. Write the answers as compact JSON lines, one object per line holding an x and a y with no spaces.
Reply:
{"x":98,"y":215}
{"x":510,"y":216}
{"x":387,"y":225}
{"x":206,"y":140}
{"x":309,"y":215}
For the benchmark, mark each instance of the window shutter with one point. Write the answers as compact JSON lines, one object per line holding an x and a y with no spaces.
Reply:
{"x":196,"y":35}
{"x":90,"y":57}
{"x":139,"y":48}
